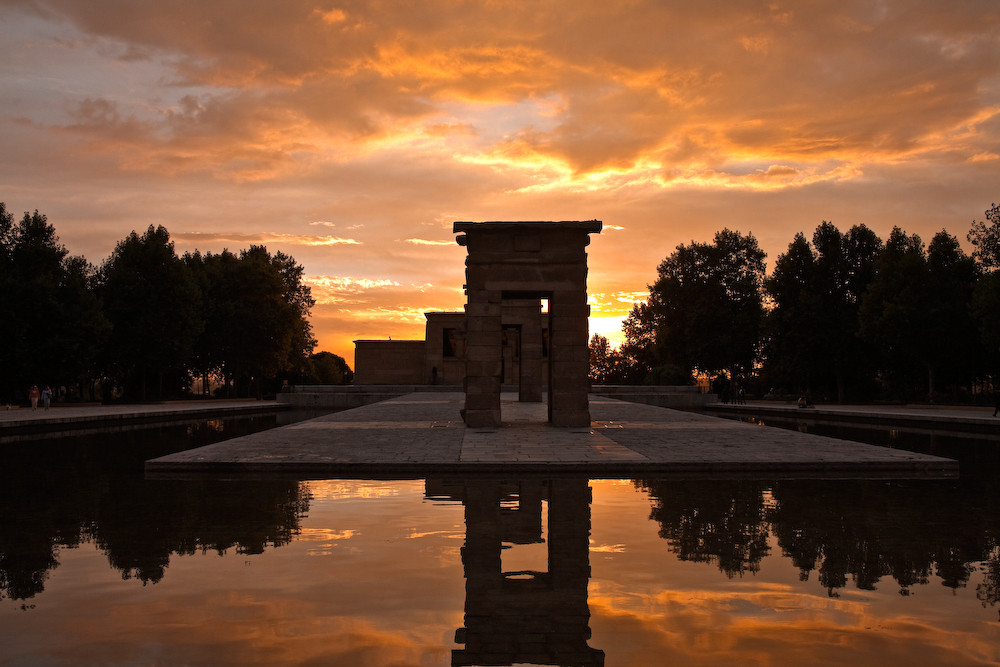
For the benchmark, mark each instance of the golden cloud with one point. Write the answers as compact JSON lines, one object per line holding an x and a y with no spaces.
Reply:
{"x":261,"y":238}
{"x":820,"y":83}
{"x":429,"y":242}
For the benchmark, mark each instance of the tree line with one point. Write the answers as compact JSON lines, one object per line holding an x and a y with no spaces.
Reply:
{"x":842,"y":316}
{"x":147,"y":323}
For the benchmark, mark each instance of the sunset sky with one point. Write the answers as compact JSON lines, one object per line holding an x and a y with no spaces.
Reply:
{"x":350,"y":135}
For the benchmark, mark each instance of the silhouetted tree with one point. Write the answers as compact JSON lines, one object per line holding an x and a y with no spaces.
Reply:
{"x":705,"y":309}
{"x":812,"y":338}
{"x":152,"y":302}
{"x":600,"y":359}
{"x":217,"y":277}
{"x":640,"y":350}
{"x":985,"y":236}
{"x":271,"y":331}
{"x":955,"y":351}
{"x":329,"y":368}
{"x":791,"y":344}
{"x":986,"y":309}
{"x":256,"y":312}
{"x":52,"y":324}
{"x":917,"y":311}
{"x":894,"y":313}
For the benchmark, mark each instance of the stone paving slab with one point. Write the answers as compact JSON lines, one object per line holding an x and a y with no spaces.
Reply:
{"x":25,"y":423}
{"x":421,"y":434}
{"x":954,"y":420}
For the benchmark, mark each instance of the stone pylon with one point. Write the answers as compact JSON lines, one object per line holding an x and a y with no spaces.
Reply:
{"x":525,"y":262}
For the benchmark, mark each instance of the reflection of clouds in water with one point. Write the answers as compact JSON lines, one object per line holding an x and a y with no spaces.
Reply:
{"x":327,"y":540}
{"x":347,"y":489}
{"x":325,"y":534}
{"x":770,"y":627}
{"x":458,"y":533}
{"x":607,"y":548}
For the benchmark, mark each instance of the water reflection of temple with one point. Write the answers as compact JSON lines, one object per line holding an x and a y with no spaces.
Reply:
{"x":525,"y":616}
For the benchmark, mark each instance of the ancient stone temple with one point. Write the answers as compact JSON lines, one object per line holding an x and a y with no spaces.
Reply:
{"x":510,"y":268}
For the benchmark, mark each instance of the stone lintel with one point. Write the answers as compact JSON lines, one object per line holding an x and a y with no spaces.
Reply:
{"x":588,"y":226}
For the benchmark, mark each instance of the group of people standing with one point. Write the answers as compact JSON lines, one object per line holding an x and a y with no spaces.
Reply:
{"x":44,"y":394}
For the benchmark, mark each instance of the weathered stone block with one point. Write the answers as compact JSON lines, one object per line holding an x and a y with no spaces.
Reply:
{"x":481,"y":418}
{"x":488,"y":401}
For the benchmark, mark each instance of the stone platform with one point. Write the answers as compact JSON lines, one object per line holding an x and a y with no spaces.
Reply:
{"x":422,"y":434}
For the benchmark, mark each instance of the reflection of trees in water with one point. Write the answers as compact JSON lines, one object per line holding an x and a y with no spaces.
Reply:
{"x":721,"y":522}
{"x":988,"y":592}
{"x":862,"y":530}
{"x":63,"y":493}
{"x":189,"y":517}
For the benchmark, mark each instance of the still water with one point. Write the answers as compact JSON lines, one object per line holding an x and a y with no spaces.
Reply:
{"x":101,"y":566}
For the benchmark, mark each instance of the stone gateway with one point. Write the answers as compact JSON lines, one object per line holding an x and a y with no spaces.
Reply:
{"x":512,"y":267}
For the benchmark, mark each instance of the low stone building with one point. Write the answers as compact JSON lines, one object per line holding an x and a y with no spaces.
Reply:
{"x":440,"y":358}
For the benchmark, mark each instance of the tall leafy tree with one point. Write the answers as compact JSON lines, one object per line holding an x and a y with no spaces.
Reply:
{"x":837,"y":320}
{"x":607,"y":365}
{"x":217,"y":277}
{"x":32,"y":306}
{"x":51,"y":322}
{"x":152,"y":301}
{"x":955,"y":350}
{"x":986,"y":310}
{"x":256,"y":311}
{"x":329,"y":368}
{"x":705,"y":310}
{"x":916,"y":311}
{"x":83,"y":329}
{"x":812,"y":334}
{"x":11,"y":378}
{"x":791,"y":347}
{"x":985,"y":237}
{"x":893,"y":314}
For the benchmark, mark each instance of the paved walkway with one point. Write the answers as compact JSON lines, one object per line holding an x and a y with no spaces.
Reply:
{"x":971,"y":419}
{"x":421,"y":434}
{"x":58,"y":419}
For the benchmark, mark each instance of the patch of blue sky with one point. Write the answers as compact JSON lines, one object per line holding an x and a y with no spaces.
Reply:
{"x":497,"y":122}
{"x":50,"y":67}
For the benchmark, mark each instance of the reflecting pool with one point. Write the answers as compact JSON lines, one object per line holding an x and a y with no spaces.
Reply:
{"x":99,"y":565}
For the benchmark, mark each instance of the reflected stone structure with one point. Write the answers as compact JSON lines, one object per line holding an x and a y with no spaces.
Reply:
{"x":510,"y":268}
{"x":524,"y":617}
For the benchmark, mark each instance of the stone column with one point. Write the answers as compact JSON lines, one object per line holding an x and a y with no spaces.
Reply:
{"x":483,"y":357}
{"x":569,"y":358}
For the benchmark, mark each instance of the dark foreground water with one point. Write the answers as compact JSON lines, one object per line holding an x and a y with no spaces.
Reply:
{"x":100,"y":566}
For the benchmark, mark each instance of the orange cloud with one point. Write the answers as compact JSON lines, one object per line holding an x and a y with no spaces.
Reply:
{"x":216,"y":238}
{"x":429,"y":242}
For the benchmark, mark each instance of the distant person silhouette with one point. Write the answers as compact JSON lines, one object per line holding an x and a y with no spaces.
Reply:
{"x":33,"y":395}
{"x":46,"y":397}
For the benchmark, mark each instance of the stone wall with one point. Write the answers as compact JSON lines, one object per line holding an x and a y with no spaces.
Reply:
{"x":445,"y":348}
{"x":389,"y":362}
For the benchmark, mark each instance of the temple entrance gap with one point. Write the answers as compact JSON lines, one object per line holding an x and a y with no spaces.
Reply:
{"x":510,"y":268}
